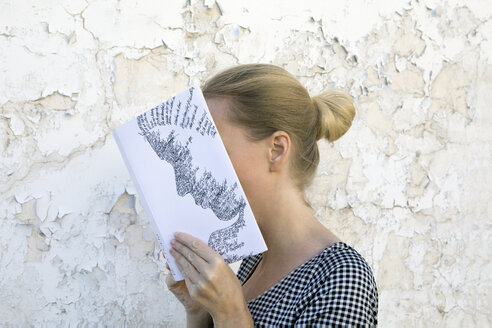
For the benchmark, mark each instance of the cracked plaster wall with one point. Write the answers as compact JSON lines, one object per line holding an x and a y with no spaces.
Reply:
{"x":408,"y":186}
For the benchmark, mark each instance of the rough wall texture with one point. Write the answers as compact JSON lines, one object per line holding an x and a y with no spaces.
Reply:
{"x":408,"y":186}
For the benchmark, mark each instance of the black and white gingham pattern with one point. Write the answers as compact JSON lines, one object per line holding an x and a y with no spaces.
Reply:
{"x":334,"y":288}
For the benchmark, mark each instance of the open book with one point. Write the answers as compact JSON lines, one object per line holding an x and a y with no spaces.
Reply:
{"x":185,"y":179}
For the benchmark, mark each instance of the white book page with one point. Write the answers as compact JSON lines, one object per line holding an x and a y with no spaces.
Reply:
{"x":186,"y":180}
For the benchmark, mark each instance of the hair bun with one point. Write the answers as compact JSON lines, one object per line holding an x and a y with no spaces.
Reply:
{"x":336,"y":112}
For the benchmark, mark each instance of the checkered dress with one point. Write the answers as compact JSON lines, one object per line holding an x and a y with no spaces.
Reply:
{"x":334,"y":288}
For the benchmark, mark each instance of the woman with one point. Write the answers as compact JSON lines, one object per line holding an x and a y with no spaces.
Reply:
{"x":270,"y":125}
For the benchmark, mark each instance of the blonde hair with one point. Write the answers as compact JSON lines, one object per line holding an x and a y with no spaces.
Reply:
{"x":266,"y":98}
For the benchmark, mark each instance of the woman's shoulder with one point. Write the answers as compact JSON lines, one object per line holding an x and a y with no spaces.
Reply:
{"x":338,"y":257}
{"x":341,"y":257}
{"x":336,"y":285}
{"x":335,"y":264}
{"x":342,"y":283}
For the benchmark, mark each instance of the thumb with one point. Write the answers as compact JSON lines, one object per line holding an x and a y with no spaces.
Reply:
{"x":169,"y":278}
{"x":170,"y":282}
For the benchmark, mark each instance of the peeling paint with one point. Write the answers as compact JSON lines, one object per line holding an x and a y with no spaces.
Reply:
{"x":408,"y":185}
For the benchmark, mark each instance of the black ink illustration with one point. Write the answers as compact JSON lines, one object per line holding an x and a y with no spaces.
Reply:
{"x":206,"y":191}
{"x":171,"y":113}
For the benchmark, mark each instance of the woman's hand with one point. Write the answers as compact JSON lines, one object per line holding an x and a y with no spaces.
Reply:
{"x":210,"y":281}
{"x":196,"y":315}
{"x":178,"y":288}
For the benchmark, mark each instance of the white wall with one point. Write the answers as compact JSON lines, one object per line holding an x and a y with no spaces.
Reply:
{"x":408,"y":186}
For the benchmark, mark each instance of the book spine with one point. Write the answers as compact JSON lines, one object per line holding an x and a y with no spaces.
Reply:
{"x":162,"y":242}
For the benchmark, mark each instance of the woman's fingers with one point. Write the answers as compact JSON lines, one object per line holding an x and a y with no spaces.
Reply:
{"x":196,"y":245}
{"x":185,"y":267}
{"x":198,"y":262}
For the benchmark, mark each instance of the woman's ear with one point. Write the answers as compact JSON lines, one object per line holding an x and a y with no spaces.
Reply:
{"x":280,"y":145}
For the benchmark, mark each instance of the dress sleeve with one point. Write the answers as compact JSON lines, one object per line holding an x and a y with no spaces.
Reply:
{"x":347,"y":297}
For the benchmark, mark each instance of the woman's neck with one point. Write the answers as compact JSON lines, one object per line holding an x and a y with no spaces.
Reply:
{"x":291,"y":231}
